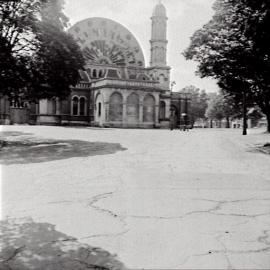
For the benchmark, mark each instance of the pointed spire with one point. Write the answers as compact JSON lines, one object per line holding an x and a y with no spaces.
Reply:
{"x":159,"y":10}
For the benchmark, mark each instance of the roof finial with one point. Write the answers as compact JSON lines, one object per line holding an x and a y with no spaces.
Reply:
{"x":159,"y":10}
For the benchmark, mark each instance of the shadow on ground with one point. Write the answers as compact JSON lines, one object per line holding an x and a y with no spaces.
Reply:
{"x":28,"y":245}
{"x":20,"y":148}
{"x":260,"y":148}
{"x":265,"y":148}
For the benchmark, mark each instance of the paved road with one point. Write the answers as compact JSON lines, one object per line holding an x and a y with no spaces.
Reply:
{"x":177,"y":200}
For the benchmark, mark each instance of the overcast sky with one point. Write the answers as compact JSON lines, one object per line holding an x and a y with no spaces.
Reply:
{"x":184,"y":17}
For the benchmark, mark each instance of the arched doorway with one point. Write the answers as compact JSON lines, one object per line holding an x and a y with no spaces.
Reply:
{"x":162,"y":110}
{"x":116,"y":107}
{"x":174,"y":116}
{"x":75,"y":105}
{"x":133,"y":108}
{"x":82,"y":106}
{"x":149,"y":109}
{"x":99,"y":111}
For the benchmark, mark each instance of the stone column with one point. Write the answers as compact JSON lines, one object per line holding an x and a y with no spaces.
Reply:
{"x":141,"y":112}
{"x":124,"y":115}
{"x":58,"y":106}
{"x":43,"y":106}
{"x":105,"y":114}
{"x":168,"y":109}
{"x":156,"y":114}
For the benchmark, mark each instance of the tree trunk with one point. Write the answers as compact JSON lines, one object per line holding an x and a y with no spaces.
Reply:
{"x":227,"y":122}
{"x":265,"y":107}
{"x":244,"y":114}
{"x":268,"y":121}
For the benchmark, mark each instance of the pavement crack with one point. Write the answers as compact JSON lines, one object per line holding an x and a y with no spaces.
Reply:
{"x":120,"y":218}
{"x":14,"y":254}
{"x":99,"y":197}
{"x":105,"y":235}
{"x":264,"y":238}
{"x":92,"y":266}
{"x":225,"y":253}
{"x":212,"y":211}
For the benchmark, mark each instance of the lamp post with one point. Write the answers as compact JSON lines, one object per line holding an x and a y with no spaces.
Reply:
{"x":171,"y":113}
{"x":179,"y":108}
{"x":244,"y":113}
{"x":173,"y":83}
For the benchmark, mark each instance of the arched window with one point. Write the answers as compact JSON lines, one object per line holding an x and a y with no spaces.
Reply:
{"x":162,"y":109}
{"x":98,"y":106}
{"x":94,"y":73}
{"x":75,"y":105}
{"x":116,"y":107}
{"x":82,"y":106}
{"x":149,"y":109}
{"x":133,"y":107}
{"x":100,"y":74}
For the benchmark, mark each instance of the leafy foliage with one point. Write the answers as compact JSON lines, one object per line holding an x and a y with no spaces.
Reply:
{"x":17,"y":24}
{"x":56,"y":63}
{"x":198,"y":102}
{"x":234,"y":48}
{"x":221,"y":107}
{"x":53,"y":13}
{"x":37,"y":57}
{"x":215,"y":107}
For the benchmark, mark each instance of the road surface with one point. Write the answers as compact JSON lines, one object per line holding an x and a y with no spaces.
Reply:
{"x":171,"y":200}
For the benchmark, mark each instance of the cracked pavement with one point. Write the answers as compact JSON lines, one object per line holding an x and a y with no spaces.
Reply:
{"x":196,"y":200}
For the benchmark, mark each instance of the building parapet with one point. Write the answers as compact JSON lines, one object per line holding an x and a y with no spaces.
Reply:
{"x":82,"y":85}
{"x":120,"y":83}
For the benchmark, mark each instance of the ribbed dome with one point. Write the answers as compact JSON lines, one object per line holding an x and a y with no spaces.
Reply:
{"x":159,"y":10}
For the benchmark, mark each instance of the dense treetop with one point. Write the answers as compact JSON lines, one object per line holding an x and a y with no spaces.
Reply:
{"x":234,"y":48}
{"x":37,"y":57}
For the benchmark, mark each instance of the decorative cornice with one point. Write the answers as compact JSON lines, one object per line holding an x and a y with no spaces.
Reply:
{"x":146,"y":89}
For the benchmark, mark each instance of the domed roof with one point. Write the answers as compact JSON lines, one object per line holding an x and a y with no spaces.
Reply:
{"x":107,"y":42}
{"x":159,"y":10}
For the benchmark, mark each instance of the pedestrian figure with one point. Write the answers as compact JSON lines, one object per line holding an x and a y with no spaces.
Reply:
{"x":184,"y":115}
{"x":171,"y":122}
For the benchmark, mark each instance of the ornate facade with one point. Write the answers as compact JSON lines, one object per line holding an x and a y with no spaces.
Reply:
{"x":116,"y":88}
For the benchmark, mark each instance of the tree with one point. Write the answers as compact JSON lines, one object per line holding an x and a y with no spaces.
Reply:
{"x":221,"y":107}
{"x":198,"y":102}
{"x":214,"y":110}
{"x":58,"y":58}
{"x":55,"y":64}
{"x":38,"y":57}
{"x":17,"y":26}
{"x":234,"y":48}
{"x":52,"y":13}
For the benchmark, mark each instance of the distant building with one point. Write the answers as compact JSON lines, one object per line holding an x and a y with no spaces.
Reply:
{"x":116,"y":88}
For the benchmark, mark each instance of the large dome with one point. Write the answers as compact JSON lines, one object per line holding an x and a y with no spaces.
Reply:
{"x":104,"y":41}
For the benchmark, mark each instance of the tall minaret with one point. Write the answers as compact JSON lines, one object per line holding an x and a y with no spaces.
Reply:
{"x":159,"y":37}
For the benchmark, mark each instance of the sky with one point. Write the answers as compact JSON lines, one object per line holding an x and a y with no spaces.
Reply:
{"x":184,"y":18}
